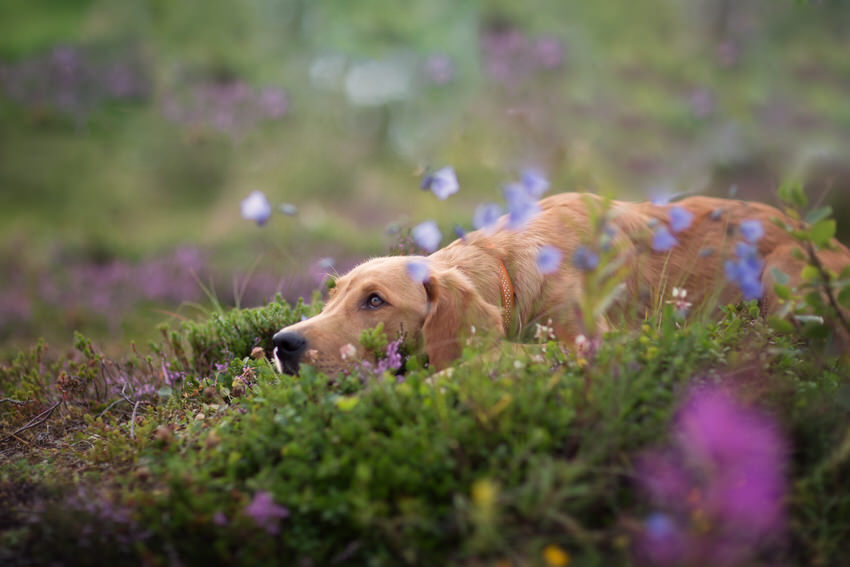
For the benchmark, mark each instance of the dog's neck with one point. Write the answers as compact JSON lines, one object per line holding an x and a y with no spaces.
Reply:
{"x":498,"y":290}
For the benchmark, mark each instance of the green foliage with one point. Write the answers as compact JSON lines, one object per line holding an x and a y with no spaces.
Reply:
{"x":495,"y":459}
{"x":820,"y":304}
{"x":235,"y":333}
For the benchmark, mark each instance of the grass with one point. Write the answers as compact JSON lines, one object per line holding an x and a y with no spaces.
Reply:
{"x":495,"y":462}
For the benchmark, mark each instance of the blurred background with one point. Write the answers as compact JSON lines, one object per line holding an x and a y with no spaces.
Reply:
{"x":131,"y":130}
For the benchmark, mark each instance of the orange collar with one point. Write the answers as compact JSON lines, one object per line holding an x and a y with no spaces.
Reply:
{"x":508,"y":297}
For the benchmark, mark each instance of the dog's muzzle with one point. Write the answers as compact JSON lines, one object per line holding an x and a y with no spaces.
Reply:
{"x":289,"y":348}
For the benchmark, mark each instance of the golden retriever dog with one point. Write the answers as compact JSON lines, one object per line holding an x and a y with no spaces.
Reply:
{"x":489,"y":282}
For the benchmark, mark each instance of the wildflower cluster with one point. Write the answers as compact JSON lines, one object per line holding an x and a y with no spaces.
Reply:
{"x":746,"y":268}
{"x":265,"y":512}
{"x":231,"y":107}
{"x":521,"y":202}
{"x":389,"y":361}
{"x":71,"y":81}
{"x":510,"y":55}
{"x":718,"y":490}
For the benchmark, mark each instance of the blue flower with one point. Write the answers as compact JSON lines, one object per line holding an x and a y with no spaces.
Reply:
{"x":486,"y":215}
{"x":585,"y":259}
{"x":427,"y":236}
{"x":752,"y":230}
{"x":549,"y":259}
{"x":746,"y":270}
{"x":522,"y":207}
{"x":442,"y":182}
{"x":418,"y":270}
{"x":534,"y":182}
{"x":662,"y":240}
{"x":256,"y":207}
{"x":680,"y":218}
{"x":459,"y":232}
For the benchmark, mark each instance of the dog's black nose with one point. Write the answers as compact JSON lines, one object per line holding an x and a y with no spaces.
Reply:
{"x":289,"y":347}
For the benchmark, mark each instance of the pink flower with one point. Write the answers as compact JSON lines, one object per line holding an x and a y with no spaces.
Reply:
{"x":266,"y":513}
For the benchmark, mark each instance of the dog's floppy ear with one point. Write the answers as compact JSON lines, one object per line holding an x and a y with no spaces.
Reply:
{"x":455,"y":307}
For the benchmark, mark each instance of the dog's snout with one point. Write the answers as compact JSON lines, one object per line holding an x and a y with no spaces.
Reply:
{"x":290,"y":342}
{"x":289,"y":347}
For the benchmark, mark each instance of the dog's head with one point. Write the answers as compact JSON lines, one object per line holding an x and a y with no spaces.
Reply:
{"x":434,"y":315}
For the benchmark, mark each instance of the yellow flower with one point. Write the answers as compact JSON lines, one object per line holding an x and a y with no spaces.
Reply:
{"x":555,"y":556}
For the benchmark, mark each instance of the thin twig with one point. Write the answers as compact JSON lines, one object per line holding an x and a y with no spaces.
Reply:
{"x":109,"y":407}
{"x":37,"y":420}
{"x":133,"y":420}
{"x":11,"y":401}
{"x":827,"y":285}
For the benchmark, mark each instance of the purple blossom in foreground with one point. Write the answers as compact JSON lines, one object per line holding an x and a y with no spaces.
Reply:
{"x":442,"y":182}
{"x":266,"y":513}
{"x":418,"y":270}
{"x":486,"y":216}
{"x":745,"y":270}
{"x":256,"y":207}
{"x":585,"y":259}
{"x":522,"y":207}
{"x":534,"y":183}
{"x":719,"y":489}
{"x":549,"y":260}
{"x":662,"y":240}
{"x":427,"y":236}
{"x":752,"y":230}
{"x":680,"y":218}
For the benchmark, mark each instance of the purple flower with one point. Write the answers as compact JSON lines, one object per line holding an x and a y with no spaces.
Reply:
{"x":486,"y":216}
{"x":680,"y":218}
{"x":427,"y":236}
{"x":439,"y":69}
{"x":662,"y":240}
{"x":661,"y":195}
{"x":256,"y":207}
{"x":752,"y":230}
{"x":459,"y":232}
{"x":219,"y":518}
{"x":719,"y":488}
{"x":549,"y":259}
{"x":442,"y":182}
{"x":663,"y":541}
{"x":534,"y":182}
{"x":393,"y":360}
{"x":273,"y":102}
{"x":522,"y":207}
{"x":418,"y":270}
{"x":746,"y":270}
{"x":585,"y":259}
{"x":266,"y":513}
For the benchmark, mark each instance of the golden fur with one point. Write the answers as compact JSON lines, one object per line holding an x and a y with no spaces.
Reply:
{"x":463,"y":290}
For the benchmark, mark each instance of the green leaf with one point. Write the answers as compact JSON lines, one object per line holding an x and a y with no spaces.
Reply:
{"x":792,"y":193}
{"x":779,"y":276}
{"x":822,"y":232}
{"x":816,"y":215}
{"x":809,"y":274}
{"x":782,"y":291}
{"x":844,"y":297}
{"x":781,"y":325}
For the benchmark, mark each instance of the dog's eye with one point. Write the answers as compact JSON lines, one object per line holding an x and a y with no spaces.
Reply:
{"x":374,"y":301}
